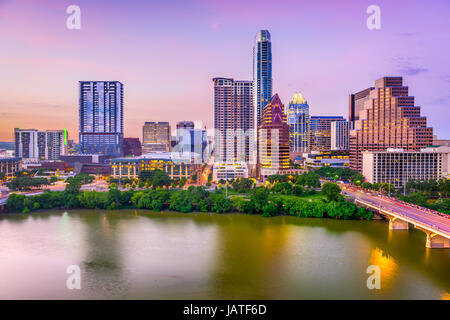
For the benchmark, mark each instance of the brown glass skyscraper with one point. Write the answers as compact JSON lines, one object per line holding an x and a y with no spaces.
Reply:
{"x":273,"y":138}
{"x":389,"y":119}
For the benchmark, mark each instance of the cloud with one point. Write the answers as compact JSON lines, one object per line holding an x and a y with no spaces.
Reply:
{"x":408,"y":66}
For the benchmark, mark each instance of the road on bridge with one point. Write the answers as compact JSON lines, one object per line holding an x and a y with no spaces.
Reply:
{"x":422,"y":216}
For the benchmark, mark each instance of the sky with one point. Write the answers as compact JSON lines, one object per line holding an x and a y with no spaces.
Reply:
{"x":167,"y":52}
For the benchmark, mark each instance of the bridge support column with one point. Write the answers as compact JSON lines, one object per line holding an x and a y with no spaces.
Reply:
{"x":397,"y":224}
{"x":436,"y":241}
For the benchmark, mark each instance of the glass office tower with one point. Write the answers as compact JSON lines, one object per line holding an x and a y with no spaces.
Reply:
{"x":101,"y":117}
{"x":298,"y":121}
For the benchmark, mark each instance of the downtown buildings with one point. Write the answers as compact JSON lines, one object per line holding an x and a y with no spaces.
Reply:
{"x":273,"y":139}
{"x":32,"y":144}
{"x":320,"y":132}
{"x":191,"y":138}
{"x":233,"y":120}
{"x":388,"y":120}
{"x":340,"y":135}
{"x":101,"y":117}
{"x":155,"y":137}
{"x":298,"y":121}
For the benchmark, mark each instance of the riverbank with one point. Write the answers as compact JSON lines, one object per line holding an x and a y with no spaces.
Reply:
{"x":260,"y":201}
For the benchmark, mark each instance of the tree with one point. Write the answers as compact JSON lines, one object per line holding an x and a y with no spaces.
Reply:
{"x":331,"y":191}
{"x":73,"y":186}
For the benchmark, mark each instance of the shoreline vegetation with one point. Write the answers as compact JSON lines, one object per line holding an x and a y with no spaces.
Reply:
{"x":282,"y":199}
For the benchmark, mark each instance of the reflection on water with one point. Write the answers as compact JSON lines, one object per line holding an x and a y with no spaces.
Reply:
{"x":143,"y":255}
{"x":388,"y":267}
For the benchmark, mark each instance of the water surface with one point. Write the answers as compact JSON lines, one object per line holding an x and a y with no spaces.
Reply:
{"x":135,"y":254}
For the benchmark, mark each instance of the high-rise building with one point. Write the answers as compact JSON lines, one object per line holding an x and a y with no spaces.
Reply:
{"x":262,"y":73}
{"x":233,"y":120}
{"x":356,"y":103}
{"x":155,"y":137}
{"x":262,"y":80}
{"x":191,"y":138}
{"x":320,"y":132}
{"x":340,"y":131}
{"x":101,"y":117}
{"x":40,"y":145}
{"x":389,"y":119}
{"x":273,"y":139}
{"x":298,"y":121}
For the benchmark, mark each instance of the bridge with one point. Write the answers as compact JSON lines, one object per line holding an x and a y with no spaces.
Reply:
{"x":436,"y":227}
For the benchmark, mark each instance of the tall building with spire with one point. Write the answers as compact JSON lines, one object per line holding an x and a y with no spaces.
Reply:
{"x":298,"y":121}
{"x":273,"y":138}
{"x":262,"y":76}
{"x":389,"y":119}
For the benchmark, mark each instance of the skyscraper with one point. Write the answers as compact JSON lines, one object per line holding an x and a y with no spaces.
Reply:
{"x":191,"y":138}
{"x":155,"y":137}
{"x":356,"y":104}
{"x":40,"y":145}
{"x":101,"y":117}
{"x":233,"y":120}
{"x":273,"y":139}
{"x":389,"y":119}
{"x":320,"y":132}
{"x":340,"y":131}
{"x":298,"y":121}
{"x":262,"y":79}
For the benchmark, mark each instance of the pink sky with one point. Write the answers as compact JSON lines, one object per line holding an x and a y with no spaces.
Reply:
{"x":167,"y":52}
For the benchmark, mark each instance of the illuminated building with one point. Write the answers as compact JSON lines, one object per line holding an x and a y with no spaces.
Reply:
{"x":320,"y":132}
{"x":389,"y":119}
{"x":273,"y":139}
{"x":176,"y":165}
{"x":101,"y":117}
{"x":229,"y":170}
{"x":298,"y":121}
{"x":9,"y":166}
{"x":155,"y":137}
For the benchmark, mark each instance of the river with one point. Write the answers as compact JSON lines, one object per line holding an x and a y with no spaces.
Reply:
{"x":134,"y":254}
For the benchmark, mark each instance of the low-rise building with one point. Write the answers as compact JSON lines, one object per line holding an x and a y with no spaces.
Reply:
{"x":335,"y":159}
{"x":229,"y":170}
{"x":397,"y":166}
{"x":9,"y":166}
{"x":176,"y":165}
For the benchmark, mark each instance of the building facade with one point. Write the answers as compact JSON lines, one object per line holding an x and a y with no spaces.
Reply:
{"x":176,"y":165}
{"x":9,"y":166}
{"x":389,"y":119}
{"x":191,"y":138}
{"x":397,"y":167}
{"x":229,"y":170}
{"x":40,"y":145}
{"x":273,"y":139}
{"x":233,"y":120}
{"x":320,"y":132}
{"x":132,"y":147}
{"x":356,"y":103}
{"x":340,"y":135}
{"x":298,"y":121}
{"x":155,"y":137}
{"x":101,"y":117}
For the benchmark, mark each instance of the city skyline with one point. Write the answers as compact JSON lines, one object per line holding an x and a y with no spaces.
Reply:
{"x":43,"y":60}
